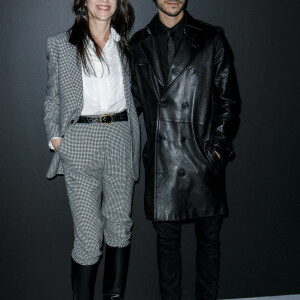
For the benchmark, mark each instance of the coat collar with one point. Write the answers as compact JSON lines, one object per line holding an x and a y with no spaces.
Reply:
{"x":185,"y":54}
{"x":191,"y":30}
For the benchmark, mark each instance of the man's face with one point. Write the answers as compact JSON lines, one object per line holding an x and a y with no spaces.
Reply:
{"x":171,"y":8}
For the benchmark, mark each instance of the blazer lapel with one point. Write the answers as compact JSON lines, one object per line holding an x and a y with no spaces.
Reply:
{"x":126,"y":79}
{"x":75,"y":74}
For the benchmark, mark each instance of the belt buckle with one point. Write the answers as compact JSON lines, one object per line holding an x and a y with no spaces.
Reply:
{"x":104,"y":116}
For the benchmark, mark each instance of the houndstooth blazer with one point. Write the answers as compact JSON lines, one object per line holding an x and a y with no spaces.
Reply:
{"x":64,"y":98}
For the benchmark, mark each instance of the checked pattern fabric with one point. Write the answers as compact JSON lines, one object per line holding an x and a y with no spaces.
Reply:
{"x":64,"y":98}
{"x":99,"y":181}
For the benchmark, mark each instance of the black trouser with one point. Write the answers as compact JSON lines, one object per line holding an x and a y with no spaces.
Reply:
{"x":207,"y":230}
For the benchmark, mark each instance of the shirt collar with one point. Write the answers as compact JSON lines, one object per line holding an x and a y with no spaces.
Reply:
{"x":114,"y":35}
{"x":178,"y":28}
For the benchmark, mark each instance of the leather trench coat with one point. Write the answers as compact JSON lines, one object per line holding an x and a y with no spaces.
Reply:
{"x":189,"y":112}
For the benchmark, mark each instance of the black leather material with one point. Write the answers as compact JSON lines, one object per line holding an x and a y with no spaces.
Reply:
{"x":115,"y":272}
{"x":189,"y":113}
{"x":83,"y":280}
{"x":104,"y":118}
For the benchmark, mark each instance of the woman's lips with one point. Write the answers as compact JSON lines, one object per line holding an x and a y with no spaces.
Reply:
{"x":103,"y":7}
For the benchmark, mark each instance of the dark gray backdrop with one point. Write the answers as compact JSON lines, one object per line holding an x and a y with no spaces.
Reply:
{"x":260,"y":239}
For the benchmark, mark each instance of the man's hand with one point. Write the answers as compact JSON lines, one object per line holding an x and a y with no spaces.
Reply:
{"x":56,"y":143}
{"x":218,"y":154}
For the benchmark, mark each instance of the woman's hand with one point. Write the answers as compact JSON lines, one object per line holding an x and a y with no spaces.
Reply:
{"x":56,"y":143}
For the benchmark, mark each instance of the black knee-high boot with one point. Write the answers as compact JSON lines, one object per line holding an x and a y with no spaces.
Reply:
{"x":115,"y":272}
{"x":83,"y":280}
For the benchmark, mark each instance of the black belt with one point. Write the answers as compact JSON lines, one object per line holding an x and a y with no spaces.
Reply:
{"x":104,"y":119}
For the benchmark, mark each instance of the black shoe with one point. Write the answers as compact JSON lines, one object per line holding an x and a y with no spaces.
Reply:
{"x":115,"y":272}
{"x":83,"y":280}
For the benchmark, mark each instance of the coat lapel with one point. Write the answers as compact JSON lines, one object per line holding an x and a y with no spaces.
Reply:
{"x":185,"y":54}
{"x":152,"y":54}
{"x":188,"y":49}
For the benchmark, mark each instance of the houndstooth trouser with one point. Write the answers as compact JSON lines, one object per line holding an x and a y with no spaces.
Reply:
{"x":96,"y":159}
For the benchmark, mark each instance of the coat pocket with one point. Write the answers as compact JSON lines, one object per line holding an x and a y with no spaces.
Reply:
{"x":215,"y":163}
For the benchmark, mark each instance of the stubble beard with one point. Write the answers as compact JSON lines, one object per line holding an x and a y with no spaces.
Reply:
{"x":174,"y":13}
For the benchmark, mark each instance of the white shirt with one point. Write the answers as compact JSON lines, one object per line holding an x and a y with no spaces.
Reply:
{"x":103,"y":92}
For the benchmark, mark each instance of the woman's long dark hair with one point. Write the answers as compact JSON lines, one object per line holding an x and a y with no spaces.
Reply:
{"x":122,"y":21}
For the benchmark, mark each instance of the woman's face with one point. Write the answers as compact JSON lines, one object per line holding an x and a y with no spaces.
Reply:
{"x":101,"y":10}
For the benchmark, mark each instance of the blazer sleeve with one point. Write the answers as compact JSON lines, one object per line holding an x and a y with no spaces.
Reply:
{"x":51,"y":100}
{"x":227,"y":103}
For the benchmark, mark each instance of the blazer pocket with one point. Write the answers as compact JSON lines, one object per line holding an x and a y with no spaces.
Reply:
{"x":61,"y":143}
{"x":63,"y":139}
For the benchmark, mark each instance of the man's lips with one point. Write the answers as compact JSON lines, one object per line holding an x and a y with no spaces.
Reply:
{"x":173,"y":4}
{"x":103,"y":7}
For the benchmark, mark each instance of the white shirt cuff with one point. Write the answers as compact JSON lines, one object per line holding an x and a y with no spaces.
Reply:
{"x":50,"y":143}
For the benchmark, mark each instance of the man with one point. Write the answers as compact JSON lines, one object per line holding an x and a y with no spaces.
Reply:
{"x":185,"y":83}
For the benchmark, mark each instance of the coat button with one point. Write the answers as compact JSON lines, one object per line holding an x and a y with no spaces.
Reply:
{"x":72,"y":121}
{"x":185,"y":105}
{"x":181,"y":173}
{"x":63,"y":136}
{"x":192,"y":70}
{"x":163,"y":103}
{"x":183,"y":139}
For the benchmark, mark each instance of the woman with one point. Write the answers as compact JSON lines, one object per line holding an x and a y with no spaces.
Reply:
{"x":92,"y":125}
